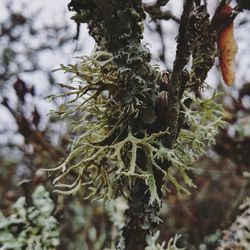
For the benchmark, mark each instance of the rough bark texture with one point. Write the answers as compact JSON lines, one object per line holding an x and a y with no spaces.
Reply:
{"x":140,"y":218}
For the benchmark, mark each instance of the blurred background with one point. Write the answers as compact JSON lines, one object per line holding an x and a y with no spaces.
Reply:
{"x":35,"y":38}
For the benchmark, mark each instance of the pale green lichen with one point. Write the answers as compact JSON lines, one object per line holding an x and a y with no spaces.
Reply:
{"x":238,"y":235}
{"x":106,"y":155}
{"x":30,"y":227}
{"x":153,"y":245}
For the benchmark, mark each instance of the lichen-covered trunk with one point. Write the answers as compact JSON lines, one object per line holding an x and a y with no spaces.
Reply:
{"x":138,"y":218}
{"x":141,"y":216}
{"x":117,"y":28}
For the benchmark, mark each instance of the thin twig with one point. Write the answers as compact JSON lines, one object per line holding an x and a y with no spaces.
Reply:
{"x":182,"y":57}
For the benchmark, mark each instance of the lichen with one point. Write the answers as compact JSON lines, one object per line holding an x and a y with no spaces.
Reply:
{"x":153,"y":245}
{"x":106,"y":156}
{"x":30,"y":227}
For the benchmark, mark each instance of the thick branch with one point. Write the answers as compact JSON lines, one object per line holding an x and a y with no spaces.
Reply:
{"x":141,"y":218}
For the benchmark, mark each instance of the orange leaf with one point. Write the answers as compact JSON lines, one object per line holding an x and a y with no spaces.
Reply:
{"x":228,"y":50}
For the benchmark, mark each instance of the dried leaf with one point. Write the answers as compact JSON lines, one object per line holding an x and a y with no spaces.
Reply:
{"x":228,"y":50}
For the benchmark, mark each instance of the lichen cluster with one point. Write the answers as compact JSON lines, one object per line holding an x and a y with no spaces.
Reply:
{"x":172,"y":243}
{"x":135,"y":136}
{"x":116,"y":91}
{"x":136,"y":78}
{"x":111,"y":138}
{"x":30,"y":227}
{"x":106,"y":155}
{"x":238,"y":236}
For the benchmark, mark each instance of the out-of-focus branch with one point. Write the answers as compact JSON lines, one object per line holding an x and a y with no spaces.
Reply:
{"x":157,"y":3}
{"x":154,"y":10}
{"x":237,"y":236}
{"x":31,"y":135}
{"x":165,"y":15}
{"x":160,"y":32}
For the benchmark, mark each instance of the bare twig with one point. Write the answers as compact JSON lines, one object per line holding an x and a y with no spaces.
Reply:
{"x":164,"y":15}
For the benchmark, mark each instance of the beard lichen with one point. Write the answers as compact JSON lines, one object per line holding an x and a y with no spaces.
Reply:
{"x":106,"y":156}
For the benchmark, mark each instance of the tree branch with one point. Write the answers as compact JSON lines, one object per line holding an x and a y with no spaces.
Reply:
{"x":154,"y":10}
{"x":182,"y":57}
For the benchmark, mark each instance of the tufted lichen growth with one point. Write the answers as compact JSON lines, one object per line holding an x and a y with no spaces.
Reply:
{"x":238,"y":236}
{"x":119,"y":89}
{"x":30,"y":227}
{"x":107,"y":154}
{"x":108,"y":24}
{"x":135,"y":137}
